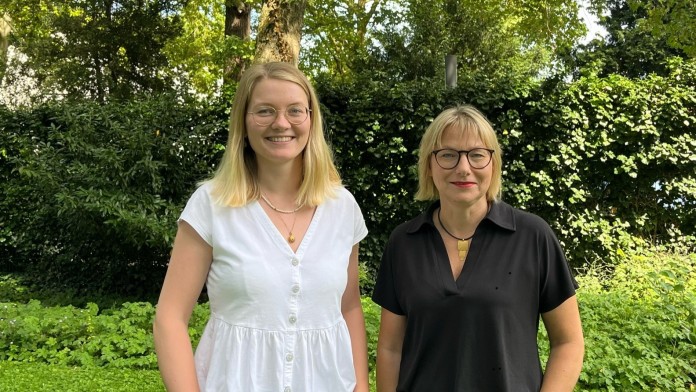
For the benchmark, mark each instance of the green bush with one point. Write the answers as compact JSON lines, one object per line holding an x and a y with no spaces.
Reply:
{"x":639,"y":321}
{"x":120,"y":337}
{"x":609,"y":163}
{"x":640,"y":325}
{"x":39,"y":377}
{"x":92,"y":192}
{"x":372,"y":313}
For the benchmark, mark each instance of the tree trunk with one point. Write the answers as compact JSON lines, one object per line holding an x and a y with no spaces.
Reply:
{"x":237,"y":24}
{"x":5,"y":30}
{"x":280,"y":30}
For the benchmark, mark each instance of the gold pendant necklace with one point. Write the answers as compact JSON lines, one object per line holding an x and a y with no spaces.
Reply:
{"x":462,"y":243}
{"x":291,"y":237}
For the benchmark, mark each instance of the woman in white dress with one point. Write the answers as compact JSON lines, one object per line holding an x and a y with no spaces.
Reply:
{"x":274,"y":236}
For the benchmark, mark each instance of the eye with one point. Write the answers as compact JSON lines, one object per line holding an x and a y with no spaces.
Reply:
{"x":448,"y":154}
{"x":478,"y":154}
{"x":296,"y":111}
{"x":265,"y":112}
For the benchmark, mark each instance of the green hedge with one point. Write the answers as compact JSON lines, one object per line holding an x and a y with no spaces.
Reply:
{"x":609,"y":163}
{"x":91,"y":192}
{"x":639,"y":324}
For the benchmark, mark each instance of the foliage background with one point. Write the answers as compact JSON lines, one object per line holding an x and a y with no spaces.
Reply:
{"x":92,"y":191}
{"x":111,"y":111}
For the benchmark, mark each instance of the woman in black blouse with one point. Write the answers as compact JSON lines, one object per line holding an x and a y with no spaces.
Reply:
{"x":463,"y":285}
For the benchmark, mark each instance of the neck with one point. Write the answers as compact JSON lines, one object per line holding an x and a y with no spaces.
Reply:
{"x":281,"y":180}
{"x":461,"y":220}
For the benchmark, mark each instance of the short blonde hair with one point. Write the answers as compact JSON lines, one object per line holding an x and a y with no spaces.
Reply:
{"x":235,"y":182}
{"x":467,"y":120}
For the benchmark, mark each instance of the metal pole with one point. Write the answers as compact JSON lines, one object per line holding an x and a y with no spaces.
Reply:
{"x":451,"y":71}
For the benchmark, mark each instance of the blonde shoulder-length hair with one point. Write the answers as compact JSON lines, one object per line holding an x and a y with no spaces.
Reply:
{"x":468,"y":121}
{"x":235,"y":182}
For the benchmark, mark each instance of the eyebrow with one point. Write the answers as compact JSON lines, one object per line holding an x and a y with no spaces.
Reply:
{"x":273,"y":106}
{"x":446,"y":147}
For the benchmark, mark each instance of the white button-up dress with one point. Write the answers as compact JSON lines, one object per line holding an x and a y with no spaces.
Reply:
{"x":275,"y":322}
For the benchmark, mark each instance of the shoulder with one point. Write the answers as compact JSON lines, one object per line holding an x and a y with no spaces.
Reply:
{"x":414,"y":226}
{"x":202,"y":195}
{"x":515,"y":219}
{"x":205,"y":196}
{"x":405,"y":228}
{"x":341,"y":197}
{"x":528,"y":220}
{"x":343,"y":193}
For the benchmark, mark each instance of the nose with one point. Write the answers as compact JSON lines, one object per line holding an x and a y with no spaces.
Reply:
{"x":281,"y":121}
{"x":463,"y":165}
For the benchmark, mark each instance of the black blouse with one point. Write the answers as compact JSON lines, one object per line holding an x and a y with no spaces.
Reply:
{"x":478,"y":333}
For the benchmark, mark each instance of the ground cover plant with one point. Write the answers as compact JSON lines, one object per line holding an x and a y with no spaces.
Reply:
{"x":29,"y":377}
{"x":639,"y":320}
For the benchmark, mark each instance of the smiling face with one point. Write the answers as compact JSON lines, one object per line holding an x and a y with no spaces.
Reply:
{"x":280,"y":141}
{"x":461,"y":184}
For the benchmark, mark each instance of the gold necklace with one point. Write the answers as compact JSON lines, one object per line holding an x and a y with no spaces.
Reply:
{"x":276,"y":209}
{"x":291,"y":237}
{"x":462,"y":243}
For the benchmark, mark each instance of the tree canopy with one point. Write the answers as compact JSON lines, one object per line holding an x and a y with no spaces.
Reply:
{"x":116,"y":49}
{"x":96,"y":48}
{"x":636,"y":43}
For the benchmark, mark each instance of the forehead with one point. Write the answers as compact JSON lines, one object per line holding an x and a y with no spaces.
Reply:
{"x":461,"y":137}
{"x":276,"y":91}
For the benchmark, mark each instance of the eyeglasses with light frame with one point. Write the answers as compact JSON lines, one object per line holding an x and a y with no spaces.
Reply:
{"x":266,"y":115}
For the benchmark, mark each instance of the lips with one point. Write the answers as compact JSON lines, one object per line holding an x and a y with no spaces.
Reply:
{"x":463,"y":184}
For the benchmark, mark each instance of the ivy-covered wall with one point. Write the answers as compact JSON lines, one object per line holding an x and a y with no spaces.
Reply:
{"x":91,"y":192}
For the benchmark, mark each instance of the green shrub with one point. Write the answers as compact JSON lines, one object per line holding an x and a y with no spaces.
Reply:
{"x":640,"y":325}
{"x":92,"y":192}
{"x":372,"y":313}
{"x":639,"y":321}
{"x":608,"y":162}
{"x":39,"y":377}
{"x":70,"y":336}
{"x":13,"y":290}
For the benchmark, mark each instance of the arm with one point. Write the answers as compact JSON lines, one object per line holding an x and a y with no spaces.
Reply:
{"x":567,"y":347}
{"x":351,"y":307}
{"x":392,"y":329}
{"x":186,"y":274}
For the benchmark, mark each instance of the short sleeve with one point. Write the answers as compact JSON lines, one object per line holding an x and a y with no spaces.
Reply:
{"x":384,"y":293}
{"x":198,"y":213}
{"x":359,"y":227}
{"x":557,"y":282}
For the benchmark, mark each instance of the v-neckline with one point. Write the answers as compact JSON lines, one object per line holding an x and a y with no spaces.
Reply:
{"x":277,"y":236}
{"x":445,"y":268}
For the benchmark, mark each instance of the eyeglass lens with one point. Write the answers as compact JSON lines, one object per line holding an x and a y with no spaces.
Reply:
{"x":478,"y":158}
{"x":266,"y":115}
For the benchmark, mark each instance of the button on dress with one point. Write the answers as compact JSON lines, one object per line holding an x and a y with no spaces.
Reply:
{"x":275,"y":322}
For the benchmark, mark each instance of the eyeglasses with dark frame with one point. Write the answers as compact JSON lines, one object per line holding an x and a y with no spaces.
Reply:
{"x":266,"y":115}
{"x":478,"y":158}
